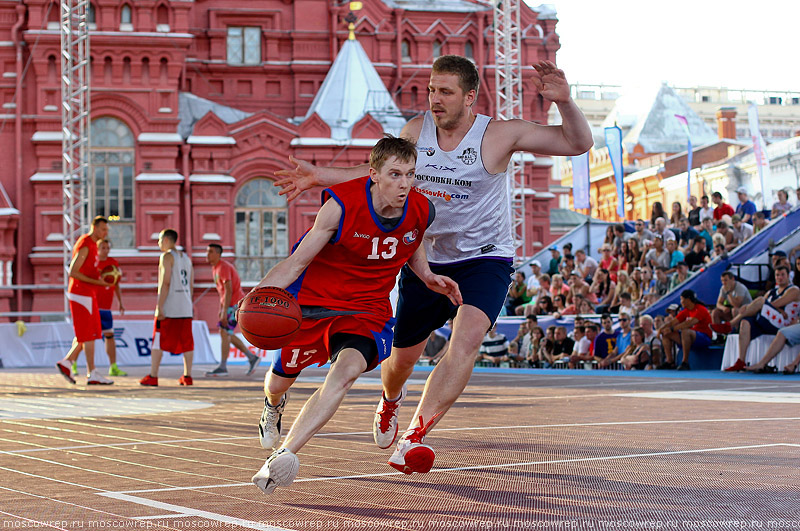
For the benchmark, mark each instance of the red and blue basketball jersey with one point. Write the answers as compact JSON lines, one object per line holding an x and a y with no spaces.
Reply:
{"x":357,"y":269}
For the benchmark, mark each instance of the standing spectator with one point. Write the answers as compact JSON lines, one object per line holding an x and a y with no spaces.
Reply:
{"x":707,"y":232}
{"x":623,"y":340}
{"x":733,"y":296}
{"x":680,"y":276}
{"x":694,"y":212}
{"x":555,"y":260}
{"x":662,"y":281}
{"x":656,"y":212}
{"x":759,"y":222}
{"x":608,"y":262}
{"x":494,"y":347}
{"x":603,"y":287}
{"x":722,"y":207}
{"x":741,"y":231}
{"x":657,"y":255}
{"x":706,"y":211}
{"x":675,"y":254}
{"x":586,"y":265}
{"x":609,"y":239}
{"x":727,"y":234}
{"x":622,"y":258}
{"x":690,"y":328}
{"x":605,"y":344}
{"x":746,"y":208}
{"x":677,"y":214}
{"x":782,"y":205}
{"x":619,"y":237}
{"x":698,"y":255}
{"x":687,"y":236}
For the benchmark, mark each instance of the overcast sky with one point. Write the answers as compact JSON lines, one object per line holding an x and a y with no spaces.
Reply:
{"x":639,"y":43}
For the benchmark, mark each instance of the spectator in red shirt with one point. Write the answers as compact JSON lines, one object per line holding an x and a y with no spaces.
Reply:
{"x":691,"y":327}
{"x":722,"y":207}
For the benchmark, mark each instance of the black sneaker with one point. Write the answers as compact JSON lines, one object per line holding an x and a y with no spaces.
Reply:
{"x":684,"y":366}
{"x":666,"y":366}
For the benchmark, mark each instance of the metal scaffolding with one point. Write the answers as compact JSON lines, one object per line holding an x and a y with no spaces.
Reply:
{"x":75,"y":90}
{"x":508,"y":87}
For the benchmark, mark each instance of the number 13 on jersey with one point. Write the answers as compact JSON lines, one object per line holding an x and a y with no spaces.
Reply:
{"x":387,"y":248}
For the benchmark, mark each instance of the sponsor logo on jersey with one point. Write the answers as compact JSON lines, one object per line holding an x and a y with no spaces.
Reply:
{"x":468,"y":156}
{"x":444,"y":180}
{"x":439,"y":167}
{"x":427,"y":150}
{"x":410,"y":236}
{"x":488,"y":248}
{"x":441,"y":193}
{"x":359,"y":235}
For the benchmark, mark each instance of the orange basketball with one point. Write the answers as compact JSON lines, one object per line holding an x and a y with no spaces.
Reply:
{"x":269,"y":317}
{"x":111,"y":273}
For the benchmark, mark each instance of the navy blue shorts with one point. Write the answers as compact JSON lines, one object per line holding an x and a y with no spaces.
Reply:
{"x":701,"y":340}
{"x":106,"y":321}
{"x":760,"y":327}
{"x":483,"y":282}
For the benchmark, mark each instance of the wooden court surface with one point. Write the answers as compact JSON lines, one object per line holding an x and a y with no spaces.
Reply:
{"x":519,"y":450}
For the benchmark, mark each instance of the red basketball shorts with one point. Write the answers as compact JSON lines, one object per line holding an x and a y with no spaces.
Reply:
{"x":173,"y":335}
{"x":85,"y":317}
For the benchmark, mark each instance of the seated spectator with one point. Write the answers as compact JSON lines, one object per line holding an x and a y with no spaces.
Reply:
{"x":719,"y":248}
{"x":690,"y":329}
{"x":536,"y":336}
{"x":609,"y":239}
{"x":544,"y":357}
{"x":559,"y":306}
{"x":517,"y":293}
{"x":533,"y":279}
{"x":619,"y":237}
{"x":782,"y":205}
{"x":436,"y":347}
{"x":688,"y":234}
{"x":681,"y":275}
{"x":578,"y":321}
{"x":543,"y":291}
{"x":727,"y":234}
{"x":622,"y":257}
{"x":520,"y":344}
{"x":623,"y":286}
{"x":623,"y":340}
{"x":555,"y":261}
{"x":544,"y":306}
{"x":657,"y":211}
{"x":584,"y":349}
{"x":563,"y":345}
{"x":578,"y":335}
{"x":642,"y":232}
{"x":566,"y":249}
{"x":760,"y":222}
{"x":733,"y":296}
{"x":550,"y":333}
{"x":657,"y":255}
{"x":494,"y":347}
{"x":586,"y":265}
{"x":796,"y":272}
{"x":586,"y":307}
{"x":637,"y":355}
{"x":648,"y":281}
{"x":557,"y":286}
{"x":741,"y":231}
{"x":661,"y":229}
{"x":635,"y":286}
{"x":675,"y":255}
{"x":662,"y":281}
{"x":721,"y":207}
{"x":746,"y":207}
{"x":698,"y":255}
{"x":706,"y":210}
{"x":753,"y":322}
{"x":567,"y":266}
{"x":707,"y":232}
{"x":693,"y":215}
{"x":579,"y":287}
{"x":603,"y":287}
{"x":626,"y":304}
{"x":605,"y":344}
{"x":788,"y":334}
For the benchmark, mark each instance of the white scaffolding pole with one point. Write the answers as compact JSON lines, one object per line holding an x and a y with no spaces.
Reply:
{"x":74,"y":125}
{"x":508,"y":87}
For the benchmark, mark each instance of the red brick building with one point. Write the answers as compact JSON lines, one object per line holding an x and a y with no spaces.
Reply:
{"x":194,"y":106}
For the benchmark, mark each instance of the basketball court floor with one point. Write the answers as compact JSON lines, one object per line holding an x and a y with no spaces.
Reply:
{"x":522,"y":449}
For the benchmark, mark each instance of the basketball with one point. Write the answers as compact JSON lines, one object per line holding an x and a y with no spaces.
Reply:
{"x":111,"y":274}
{"x":269,"y":317}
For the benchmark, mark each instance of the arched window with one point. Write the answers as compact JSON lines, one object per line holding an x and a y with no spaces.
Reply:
{"x":469,"y":52}
{"x":126,"y":18}
{"x":53,"y":16}
{"x":405,"y":51}
{"x":262,"y":235}
{"x":113,"y":157}
{"x":437,"y":48}
{"x":162,"y":18}
{"x":92,"y":17}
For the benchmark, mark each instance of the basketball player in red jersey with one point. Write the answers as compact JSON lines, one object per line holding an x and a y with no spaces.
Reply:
{"x":461,"y":167}
{"x":84,"y":278}
{"x":341,"y":273}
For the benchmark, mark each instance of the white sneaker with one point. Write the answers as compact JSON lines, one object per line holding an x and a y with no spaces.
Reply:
{"x":384,"y":426}
{"x":279,"y":471}
{"x":269,"y":427}
{"x":96,"y":378}
{"x":411,"y":455}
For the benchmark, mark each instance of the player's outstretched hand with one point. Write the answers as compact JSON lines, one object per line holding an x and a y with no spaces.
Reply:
{"x":551,"y":82}
{"x":294,"y":181}
{"x":445,"y":286}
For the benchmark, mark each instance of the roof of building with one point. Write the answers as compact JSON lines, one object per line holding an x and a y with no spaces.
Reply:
{"x":653,"y":125}
{"x":459,"y":6}
{"x":563,"y":217}
{"x":351,"y":90}
{"x":191,"y":108}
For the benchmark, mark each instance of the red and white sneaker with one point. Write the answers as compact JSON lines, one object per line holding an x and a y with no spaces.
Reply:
{"x":66,"y":371}
{"x":95,"y":378}
{"x":411,"y":455}
{"x":384,"y":427}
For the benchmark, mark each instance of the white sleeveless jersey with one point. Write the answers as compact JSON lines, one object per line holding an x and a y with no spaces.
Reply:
{"x":179,"y":297}
{"x":473,"y":214}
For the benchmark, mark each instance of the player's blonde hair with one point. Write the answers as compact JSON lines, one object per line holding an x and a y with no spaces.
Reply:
{"x":392,"y":146}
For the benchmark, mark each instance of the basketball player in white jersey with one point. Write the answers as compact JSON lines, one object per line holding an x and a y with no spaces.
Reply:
{"x":172,"y":330}
{"x":461,"y":167}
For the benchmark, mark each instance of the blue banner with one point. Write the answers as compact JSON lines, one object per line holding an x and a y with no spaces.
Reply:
{"x":689,"y":171}
{"x":580,"y":181}
{"x":614,"y":144}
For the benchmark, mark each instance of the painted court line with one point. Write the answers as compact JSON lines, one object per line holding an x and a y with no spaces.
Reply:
{"x":476,"y":467}
{"x":722,"y":395}
{"x":472,"y":428}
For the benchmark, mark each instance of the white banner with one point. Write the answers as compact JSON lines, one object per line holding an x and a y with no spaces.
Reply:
{"x":43,"y":344}
{"x":760,"y":152}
